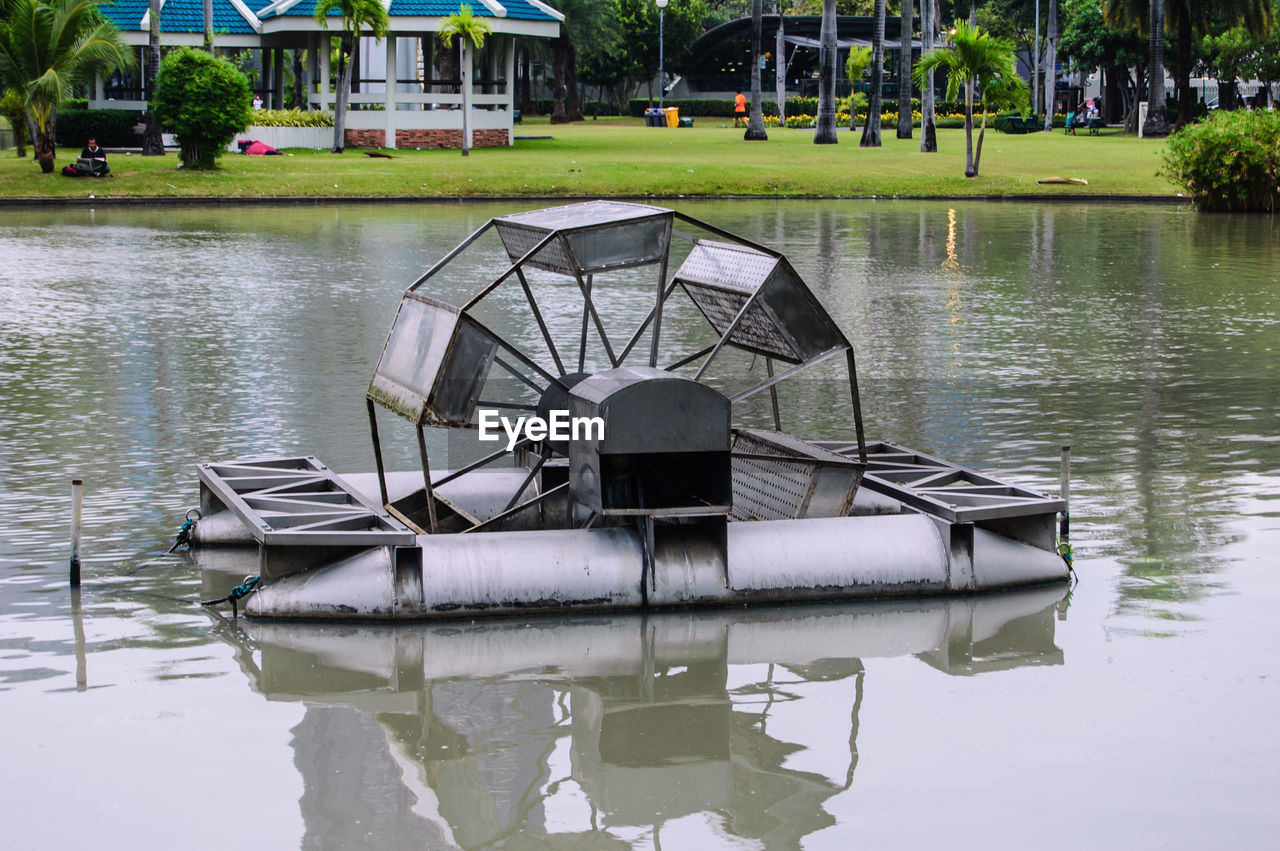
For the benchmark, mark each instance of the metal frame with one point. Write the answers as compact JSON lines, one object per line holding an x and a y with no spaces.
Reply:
{"x":651,"y":324}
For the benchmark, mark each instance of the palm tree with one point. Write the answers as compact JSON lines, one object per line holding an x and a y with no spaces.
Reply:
{"x":1050,"y":64}
{"x":825,"y":133}
{"x":755,"y":124}
{"x":1157,"y":123}
{"x":357,"y":15}
{"x":47,"y":49}
{"x":871,"y":130}
{"x":976,"y":60}
{"x":152,"y":140}
{"x":208,"y":25}
{"x":928,"y":125}
{"x":469,"y":30}
{"x":855,"y":66}
{"x":904,"y":72}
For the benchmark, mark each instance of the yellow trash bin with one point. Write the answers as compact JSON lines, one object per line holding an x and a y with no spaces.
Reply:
{"x":673,"y":115}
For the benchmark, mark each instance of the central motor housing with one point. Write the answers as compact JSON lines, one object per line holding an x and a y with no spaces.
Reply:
{"x":664,"y":449}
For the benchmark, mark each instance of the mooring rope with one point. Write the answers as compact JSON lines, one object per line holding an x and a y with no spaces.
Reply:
{"x":184,"y":534}
{"x":244,"y":589}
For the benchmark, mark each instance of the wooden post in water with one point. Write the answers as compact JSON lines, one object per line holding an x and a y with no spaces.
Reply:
{"x":77,"y":493}
{"x":1064,"y":489}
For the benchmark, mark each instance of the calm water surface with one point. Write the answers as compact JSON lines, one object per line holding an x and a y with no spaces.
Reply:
{"x":1136,"y":710}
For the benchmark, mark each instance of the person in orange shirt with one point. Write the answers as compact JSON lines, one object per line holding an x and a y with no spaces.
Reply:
{"x":739,"y":110}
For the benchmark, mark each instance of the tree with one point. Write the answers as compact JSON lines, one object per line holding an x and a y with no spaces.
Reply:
{"x":1232,"y":54}
{"x":11,"y":108}
{"x":1157,"y":123}
{"x":468,"y":30}
{"x":204,"y":101}
{"x":904,"y":72}
{"x":928,"y":125}
{"x":871,"y":130}
{"x":976,"y":60}
{"x":825,"y":132}
{"x":152,"y":140}
{"x":1089,"y":43}
{"x":1051,"y":65}
{"x":207,"y":11}
{"x":357,"y":16}
{"x":48,"y":48}
{"x":855,"y":66}
{"x":755,"y":124}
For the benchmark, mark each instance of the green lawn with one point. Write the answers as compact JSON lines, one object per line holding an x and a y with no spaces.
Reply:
{"x":622,"y":157}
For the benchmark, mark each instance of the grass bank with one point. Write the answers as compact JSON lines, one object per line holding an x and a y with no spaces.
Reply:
{"x":622,"y":157}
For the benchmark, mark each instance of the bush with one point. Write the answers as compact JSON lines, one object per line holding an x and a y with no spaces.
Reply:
{"x":113,"y":128}
{"x":1229,"y":162}
{"x":203,"y":101}
{"x":290,"y":118}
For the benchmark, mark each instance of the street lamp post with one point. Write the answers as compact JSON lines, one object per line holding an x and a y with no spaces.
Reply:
{"x":662,"y":5}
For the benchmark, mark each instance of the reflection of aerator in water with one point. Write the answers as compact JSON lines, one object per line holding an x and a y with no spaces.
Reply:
{"x":671,"y":502}
{"x":503,"y":727}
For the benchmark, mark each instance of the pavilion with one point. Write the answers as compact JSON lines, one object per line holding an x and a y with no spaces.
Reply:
{"x":407,"y":90}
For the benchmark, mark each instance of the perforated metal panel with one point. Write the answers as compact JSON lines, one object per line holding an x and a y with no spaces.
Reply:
{"x":773,"y":486}
{"x":757,"y":330}
{"x":592,"y":236}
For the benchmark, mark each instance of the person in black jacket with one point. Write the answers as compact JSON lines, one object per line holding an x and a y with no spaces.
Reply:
{"x":95,"y":158}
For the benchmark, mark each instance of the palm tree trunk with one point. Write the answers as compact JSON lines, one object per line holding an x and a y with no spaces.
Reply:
{"x":969,"y":170}
{"x":755,"y":124}
{"x":871,"y":131}
{"x":561,"y":48}
{"x":42,"y":143}
{"x":904,"y":72}
{"x":1050,"y":65}
{"x":466,"y":96}
{"x":299,"y":90}
{"x":825,"y":133}
{"x":208,"y":25}
{"x":1182,"y":76}
{"x":1157,"y":123}
{"x":928,"y":125}
{"x":780,"y":70}
{"x":152,"y":140}
{"x":982,"y":132}
{"x":342,"y":95}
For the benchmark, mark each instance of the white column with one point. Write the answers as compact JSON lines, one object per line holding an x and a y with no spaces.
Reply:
{"x":390,"y":97}
{"x":511,"y":88}
{"x":313,"y":69}
{"x":322,"y":50}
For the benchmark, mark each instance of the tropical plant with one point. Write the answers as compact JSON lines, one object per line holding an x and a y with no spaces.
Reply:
{"x":979,"y":61}
{"x":855,"y":66}
{"x":1229,"y":161}
{"x":904,"y":71}
{"x":826,"y":127}
{"x":357,"y":16}
{"x":13,"y":112}
{"x":755,"y":123}
{"x":202,"y":100}
{"x":47,"y":49}
{"x":871,"y":130}
{"x":468,"y":30}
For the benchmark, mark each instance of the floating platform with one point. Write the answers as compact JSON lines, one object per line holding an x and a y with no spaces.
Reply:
{"x":668,"y":503}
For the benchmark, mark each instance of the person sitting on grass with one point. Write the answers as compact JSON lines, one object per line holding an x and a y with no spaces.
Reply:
{"x":92,"y":162}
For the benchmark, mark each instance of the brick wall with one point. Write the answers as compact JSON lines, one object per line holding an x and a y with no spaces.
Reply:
{"x":365,"y":138}
{"x":448,"y":138}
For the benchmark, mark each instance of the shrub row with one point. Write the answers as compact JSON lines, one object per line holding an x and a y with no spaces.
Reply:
{"x":113,"y":128}
{"x":290,"y":118}
{"x":720,"y":108}
{"x":1228,"y":162}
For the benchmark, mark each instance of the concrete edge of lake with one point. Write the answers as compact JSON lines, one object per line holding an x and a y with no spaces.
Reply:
{"x":233,"y":200}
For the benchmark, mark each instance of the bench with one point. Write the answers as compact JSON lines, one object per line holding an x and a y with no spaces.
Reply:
{"x":1093,"y":125}
{"x":1018,"y":125}
{"x":517,"y":117}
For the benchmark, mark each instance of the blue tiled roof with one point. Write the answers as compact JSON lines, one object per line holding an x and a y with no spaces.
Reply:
{"x":433,"y":8}
{"x":179,"y":16}
{"x":525,"y":11}
{"x":125,"y":14}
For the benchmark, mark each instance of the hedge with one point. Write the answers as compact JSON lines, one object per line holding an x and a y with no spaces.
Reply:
{"x":721,"y":108}
{"x":113,"y":128}
{"x":1228,"y":162}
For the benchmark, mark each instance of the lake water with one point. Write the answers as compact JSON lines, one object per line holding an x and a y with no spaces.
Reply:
{"x":1137,"y":709}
